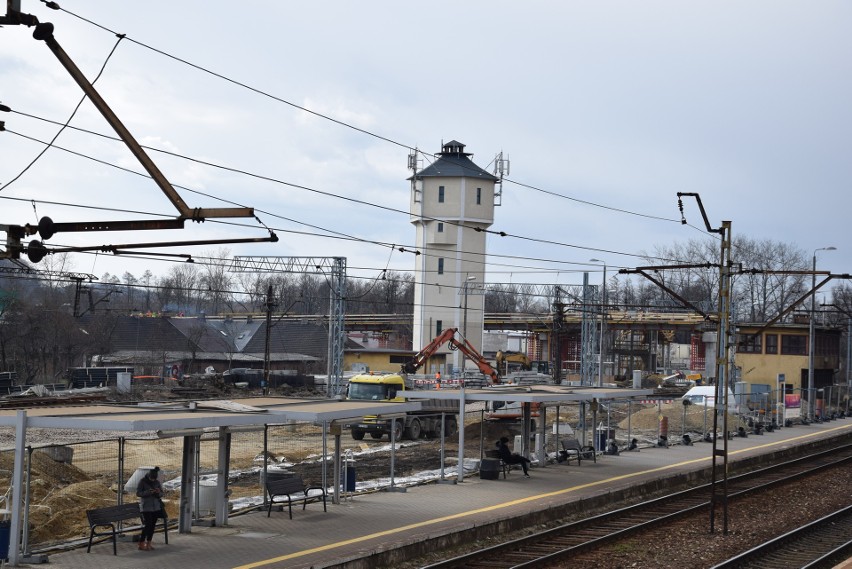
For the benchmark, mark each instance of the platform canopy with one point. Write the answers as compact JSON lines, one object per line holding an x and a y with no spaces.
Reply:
{"x":200,"y":414}
{"x":542,"y":394}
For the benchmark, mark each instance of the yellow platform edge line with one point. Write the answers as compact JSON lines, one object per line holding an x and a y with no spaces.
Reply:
{"x":502,"y":505}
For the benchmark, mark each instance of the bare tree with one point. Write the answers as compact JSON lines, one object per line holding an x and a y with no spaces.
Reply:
{"x":501,"y":299}
{"x":130,"y":283}
{"x":147,"y":279}
{"x":215,"y":280}
{"x":183,"y":278}
{"x":760,"y":291}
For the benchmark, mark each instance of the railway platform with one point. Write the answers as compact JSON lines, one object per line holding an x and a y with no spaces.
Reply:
{"x":386,"y":528}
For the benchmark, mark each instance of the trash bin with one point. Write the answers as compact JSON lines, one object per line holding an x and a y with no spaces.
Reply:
{"x":5,"y":533}
{"x":489,"y":469}
{"x":347,"y":476}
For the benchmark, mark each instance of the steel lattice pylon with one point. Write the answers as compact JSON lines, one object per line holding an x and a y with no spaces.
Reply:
{"x":334,"y":268}
{"x":588,"y":334}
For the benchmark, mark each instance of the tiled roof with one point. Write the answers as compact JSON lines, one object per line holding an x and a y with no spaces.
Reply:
{"x":231,"y":336}
{"x":454,"y":162}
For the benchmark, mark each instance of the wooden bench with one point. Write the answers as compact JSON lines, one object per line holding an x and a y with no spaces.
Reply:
{"x":571,"y":449}
{"x":110,"y":516}
{"x":295,"y":490}
{"x":495,"y":454}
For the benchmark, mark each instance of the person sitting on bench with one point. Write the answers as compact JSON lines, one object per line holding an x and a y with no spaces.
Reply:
{"x":512,"y":458}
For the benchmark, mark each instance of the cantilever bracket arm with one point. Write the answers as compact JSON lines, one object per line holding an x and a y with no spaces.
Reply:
{"x":673,"y":294}
{"x":795,"y":303}
{"x":122,"y":248}
{"x":798,"y":301}
{"x":44,"y":32}
{"x":720,"y":230}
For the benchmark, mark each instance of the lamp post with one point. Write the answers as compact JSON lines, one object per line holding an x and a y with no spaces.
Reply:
{"x":464,"y":323}
{"x":603,"y":324}
{"x":811,"y":329}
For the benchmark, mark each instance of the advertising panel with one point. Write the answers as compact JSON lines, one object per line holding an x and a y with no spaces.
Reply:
{"x":792,"y":406}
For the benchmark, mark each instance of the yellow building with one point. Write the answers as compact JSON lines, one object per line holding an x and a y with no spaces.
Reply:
{"x":779,"y":354}
{"x":377,"y":360}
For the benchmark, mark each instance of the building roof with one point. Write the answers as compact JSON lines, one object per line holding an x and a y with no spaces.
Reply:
{"x":218,"y":335}
{"x":140,"y":333}
{"x":301,"y":336}
{"x":130,"y":357}
{"x":454,"y":162}
{"x":236,"y":339}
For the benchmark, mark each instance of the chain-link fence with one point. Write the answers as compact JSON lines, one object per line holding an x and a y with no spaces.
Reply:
{"x":63,"y":481}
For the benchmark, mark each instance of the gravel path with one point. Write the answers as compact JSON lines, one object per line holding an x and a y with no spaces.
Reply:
{"x":751,"y":521}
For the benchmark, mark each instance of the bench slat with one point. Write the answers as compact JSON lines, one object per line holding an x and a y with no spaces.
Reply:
{"x":572,"y":447}
{"x":296,"y":490}
{"x":109,"y":516}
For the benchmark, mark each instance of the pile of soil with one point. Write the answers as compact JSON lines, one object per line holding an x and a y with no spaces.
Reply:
{"x":60,"y":494}
{"x":648,"y":419}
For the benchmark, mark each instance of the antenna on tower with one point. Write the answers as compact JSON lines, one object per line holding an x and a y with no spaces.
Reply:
{"x":415,"y":163}
{"x":501,"y":168}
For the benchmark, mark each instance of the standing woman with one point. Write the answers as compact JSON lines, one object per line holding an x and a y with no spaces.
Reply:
{"x":150,"y":492}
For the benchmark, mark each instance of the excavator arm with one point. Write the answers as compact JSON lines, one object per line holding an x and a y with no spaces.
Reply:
{"x":417,"y":361}
{"x":448,"y":336}
{"x":467,"y":349}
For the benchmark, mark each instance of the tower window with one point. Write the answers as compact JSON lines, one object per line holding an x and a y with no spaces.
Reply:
{"x":440,"y":227}
{"x":439,"y":327}
{"x":440,"y":194}
{"x":478,"y":196}
{"x":441,"y":266}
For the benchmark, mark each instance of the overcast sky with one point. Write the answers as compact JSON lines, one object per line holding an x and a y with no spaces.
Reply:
{"x":608,"y":109}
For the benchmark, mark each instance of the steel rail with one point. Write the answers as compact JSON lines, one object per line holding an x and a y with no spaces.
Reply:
{"x":819,"y":544}
{"x":557,"y":544}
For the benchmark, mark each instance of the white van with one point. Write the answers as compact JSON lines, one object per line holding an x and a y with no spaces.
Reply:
{"x":706,"y":395}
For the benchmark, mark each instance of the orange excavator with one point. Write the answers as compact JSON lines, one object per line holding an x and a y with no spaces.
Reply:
{"x":448,"y":336}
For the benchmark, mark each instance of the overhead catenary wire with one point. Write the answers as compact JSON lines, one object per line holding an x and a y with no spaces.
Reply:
{"x":279,"y":99}
{"x":330,"y":194}
{"x":302,"y":108}
{"x":67,"y":121}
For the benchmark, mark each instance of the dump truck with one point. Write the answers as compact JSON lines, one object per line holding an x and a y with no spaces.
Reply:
{"x":411,"y":425}
{"x":389,"y":387}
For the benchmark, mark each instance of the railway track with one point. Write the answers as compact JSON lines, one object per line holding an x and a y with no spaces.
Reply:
{"x":581,"y":537}
{"x":817,"y":545}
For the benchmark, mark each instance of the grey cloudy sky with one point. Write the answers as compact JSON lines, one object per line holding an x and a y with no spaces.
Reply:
{"x":619,"y":104}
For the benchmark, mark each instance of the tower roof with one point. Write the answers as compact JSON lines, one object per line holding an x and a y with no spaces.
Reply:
{"x":453,"y":161}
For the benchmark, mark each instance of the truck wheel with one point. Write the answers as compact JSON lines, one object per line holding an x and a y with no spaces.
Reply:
{"x":450,"y":427}
{"x":376,"y":435}
{"x":413,"y":431}
{"x":357,"y":435}
{"x":397,"y":430}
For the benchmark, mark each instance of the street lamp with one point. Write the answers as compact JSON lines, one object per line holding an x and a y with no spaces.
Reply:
{"x":811,"y":330}
{"x":464,"y":324}
{"x":603,"y":323}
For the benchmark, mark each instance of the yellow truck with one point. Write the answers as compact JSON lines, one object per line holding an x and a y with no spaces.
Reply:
{"x":412,"y":425}
{"x":387,"y":387}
